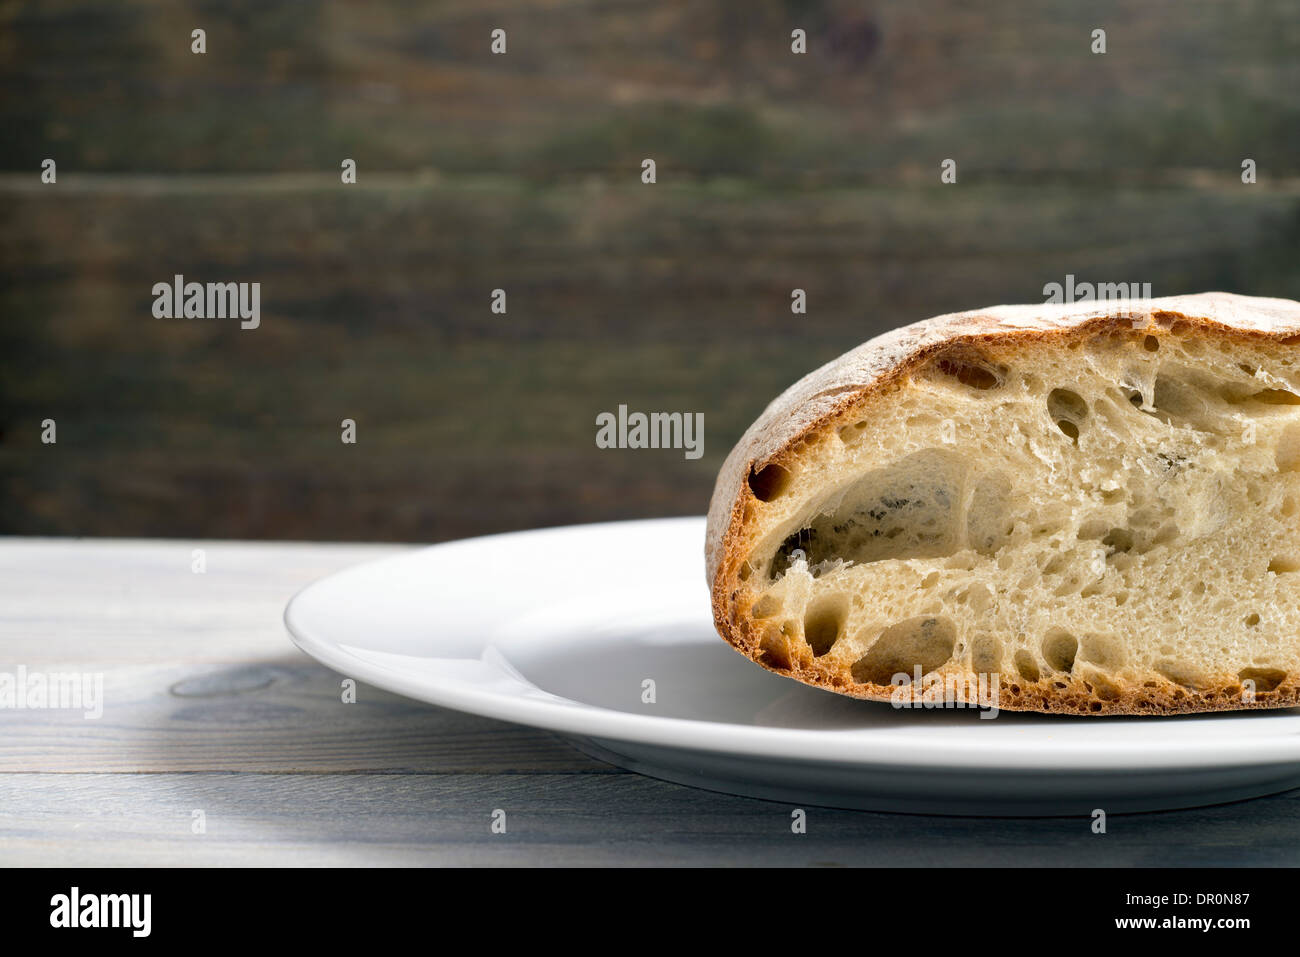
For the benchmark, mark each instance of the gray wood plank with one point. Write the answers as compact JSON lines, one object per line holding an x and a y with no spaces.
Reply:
{"x":199,"y":673}
{"x":618,"y":819}
{"x":123,"y":601}
{"x":210,"y":708}
{"x":280,"y":713}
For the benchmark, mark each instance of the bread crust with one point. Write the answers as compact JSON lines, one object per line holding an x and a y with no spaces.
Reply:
{"x":842,"y":388}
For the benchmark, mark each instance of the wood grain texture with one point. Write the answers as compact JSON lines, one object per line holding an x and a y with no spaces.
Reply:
{"x":209,"y":707}
{"x":569,"y":819}
{"x":199,"y":673}
{"x":776,"y":171}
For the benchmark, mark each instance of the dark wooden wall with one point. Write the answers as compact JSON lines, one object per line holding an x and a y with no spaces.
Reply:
{"x":522,"y":172}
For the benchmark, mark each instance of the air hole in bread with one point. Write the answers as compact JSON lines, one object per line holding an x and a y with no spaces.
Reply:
{"x":1180,"y":674}
{"x":1101,"y":687}
{"x":774,"y":648}
{"x":1151,"y":344}
{"x":1178,"y":403}
{"x":979,"y":596}
{"x":1252,"y":620}
{"x":766,"y":607}
{"x":926,"y":642}
{"x":1284,"y":566}
{"x":1104,"y":651}
{"x":1026,"y":666}
{"x":1270,"y":397}
{"x":1104,"y":688}
{"x":988,"y":522}
{"x":1055,"y":565}
{"x":1165,"y":534}
{"x":1068,"y":410}
{"x":908,"y":510}
{"x":1287,"y":454}
{"x":969,"y":367}
{"x":985,"y":655}
{"x":1266,"y":679}
{"x":768,"y":483}
{"x":851,"y":433}
{"x":1092,"y":529}
{"x":824,"y":623}
{"x":1117,"y":540}
{"x":1059,"y":649}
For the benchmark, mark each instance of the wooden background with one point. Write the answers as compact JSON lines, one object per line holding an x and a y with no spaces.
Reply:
{"x":522,"y":172}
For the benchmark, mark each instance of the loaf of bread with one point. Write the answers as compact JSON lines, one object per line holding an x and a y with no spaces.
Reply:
{"x":1094,"y":508}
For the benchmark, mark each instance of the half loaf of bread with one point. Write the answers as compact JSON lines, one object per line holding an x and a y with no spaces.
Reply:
{"x":1096,"y":507}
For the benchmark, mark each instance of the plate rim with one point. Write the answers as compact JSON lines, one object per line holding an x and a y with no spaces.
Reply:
{"x":821,"y":747}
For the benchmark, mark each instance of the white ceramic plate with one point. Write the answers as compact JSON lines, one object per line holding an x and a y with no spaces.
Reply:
{"x":560,"y":628}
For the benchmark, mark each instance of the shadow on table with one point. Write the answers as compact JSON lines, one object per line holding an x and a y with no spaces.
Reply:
{"x":296,"y":773}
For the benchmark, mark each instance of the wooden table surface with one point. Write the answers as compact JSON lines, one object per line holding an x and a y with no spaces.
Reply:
{"x":209,"y":707}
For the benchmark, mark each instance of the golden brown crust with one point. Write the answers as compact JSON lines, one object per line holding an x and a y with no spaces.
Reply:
{"x":844,"y":386}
